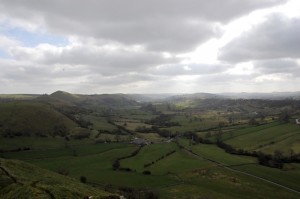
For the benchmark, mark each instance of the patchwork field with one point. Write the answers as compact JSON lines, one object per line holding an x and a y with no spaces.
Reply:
{"x":183,"y":148}
{"x":176,"y":175}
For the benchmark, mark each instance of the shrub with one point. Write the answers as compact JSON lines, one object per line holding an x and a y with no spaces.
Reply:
{"x":83,"y":179}
{"x":63,"y":171}
{"x":147,"y":172}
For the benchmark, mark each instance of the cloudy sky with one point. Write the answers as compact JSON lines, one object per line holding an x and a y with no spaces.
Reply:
{"x":143,"y":46}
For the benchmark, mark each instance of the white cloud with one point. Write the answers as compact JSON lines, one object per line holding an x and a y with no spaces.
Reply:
{"x":152,"y":46}
{"x":278,"y":37}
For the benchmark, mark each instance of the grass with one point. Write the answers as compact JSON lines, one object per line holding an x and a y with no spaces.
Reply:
{"x":28,"y":118}
{"x":179,"y":163}
{"x":132,"y":124}
{"x":98,"y":168}
{"x":175,"y":176}
{"x":148,"y":154}
{"x":259,"y":137}
{"x":216,"y":182}
{"x":289,"y":178}
{"x":188,"y":123}
{"x":23,"y":180}
{"x":100,"y":123}
{"x":215,"y":153}
{"x":72,"y":149}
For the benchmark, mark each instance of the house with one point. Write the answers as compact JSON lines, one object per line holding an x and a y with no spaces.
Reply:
{"x":298,"y":121}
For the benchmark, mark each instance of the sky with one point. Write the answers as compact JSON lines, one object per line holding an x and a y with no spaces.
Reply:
{"x":143,"y":46}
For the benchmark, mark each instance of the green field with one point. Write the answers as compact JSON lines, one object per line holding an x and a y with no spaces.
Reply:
{"x":33,"y":119}
{"x":21,"y":180}
{"x":87,"y":135}
{"x":267,"y":138}
{"x":174,"y":176}
{"x":149,"y":153}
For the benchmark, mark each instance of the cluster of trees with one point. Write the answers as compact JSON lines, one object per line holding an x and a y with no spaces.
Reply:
{"x":276,"y":160}
{"x":154,"y":129}
{"x":162,"y":120}
{"x":149,"y":107}
{"x":16,"y":149}
{"x":130,"y":193}
{"x":10,"y":133}
{"x":58,"y":129}
{"x":146,"y":172}
{"x":120,"y":129}
{"x":194,"y":137}
{"x":82,"y":134}
{"x":74,"y":115}
{"x":158,"y":159}
{"x":63,"y":171}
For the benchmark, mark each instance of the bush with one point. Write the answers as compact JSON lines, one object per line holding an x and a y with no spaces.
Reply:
{"x":63,"y":171}
{"x":147,"y":172}
{"x":83,"y":179}
{"x":116,"y":165}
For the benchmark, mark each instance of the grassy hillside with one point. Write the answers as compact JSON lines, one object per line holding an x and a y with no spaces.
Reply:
{"x":177,"y":175}
{"x":22,"y":180}
{"x":266,"y":138}
{"x":61,"y":98}
{"x":32,"y":119}
{"x":10,"y":97}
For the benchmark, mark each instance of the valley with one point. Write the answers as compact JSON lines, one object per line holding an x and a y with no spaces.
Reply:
{"x":183,"y":146}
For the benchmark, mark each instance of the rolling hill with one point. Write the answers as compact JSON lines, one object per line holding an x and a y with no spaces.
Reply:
{"x":33,"y":119}
{"x":61,"y":98}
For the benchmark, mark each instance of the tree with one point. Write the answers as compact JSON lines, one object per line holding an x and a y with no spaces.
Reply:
{"x":147,"y":172}
{"x":60,"y":130}
{"x":116,"y":165}
{"x":284,"y":116}
{"x":63,"y":171}
{"x":83,"y":179}
{"x":117,"y":138}
{"x":253,"y":121}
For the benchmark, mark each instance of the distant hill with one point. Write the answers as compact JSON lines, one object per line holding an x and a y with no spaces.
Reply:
{"x":22,"y":180}
{"x":10,"y":97}
{"x":32,"y":119}
{"x":61,"y":98}
{"x":273,"y":95}
{"x":150,"y":97}
{"x":196,"y":96}
{"x":118,"y":100}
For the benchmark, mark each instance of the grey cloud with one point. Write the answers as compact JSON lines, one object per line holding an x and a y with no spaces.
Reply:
{"x":99,"y":60}
{"x":121,"y":79}
{"x":276,"y":38}
{"x":169,"y":25}
{"x":189,"y":69}
{"x":277,"y":66}
{"x":17,"y":71}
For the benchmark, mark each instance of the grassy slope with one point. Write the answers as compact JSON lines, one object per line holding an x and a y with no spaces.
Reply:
{"x":288,"y":177}
{"x":92,"y":161}
{"x":176,"y":176}
{"x":22,"y":180}
{"x":148,"y":154}
{"x":29,"y":118}
{"x":267,"y":137}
